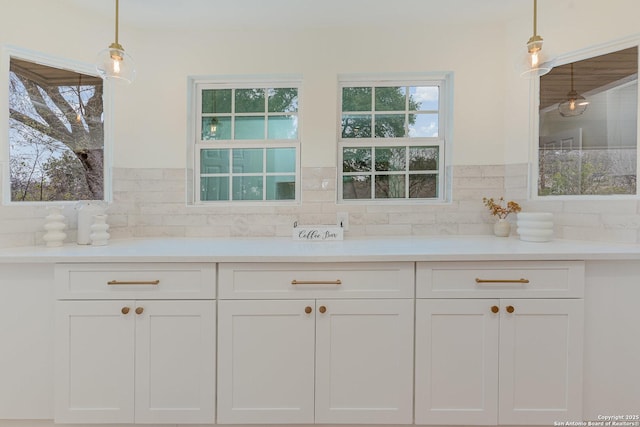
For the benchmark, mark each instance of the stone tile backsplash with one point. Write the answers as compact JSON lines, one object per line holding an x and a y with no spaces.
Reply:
{"x":152,"y":203}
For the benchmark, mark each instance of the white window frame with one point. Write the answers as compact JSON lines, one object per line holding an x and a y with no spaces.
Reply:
{"x":444,"y":80}
{"x":534,"y":120}
{"x":9,"y":52}
{"x":195,"y":144}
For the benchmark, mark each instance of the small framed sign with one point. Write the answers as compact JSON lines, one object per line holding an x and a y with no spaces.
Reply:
{"x":317,"y":233}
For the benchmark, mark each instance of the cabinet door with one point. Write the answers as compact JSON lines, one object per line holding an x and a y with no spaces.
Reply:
{"x":94,"y":362}
{"x":540,"y":361}
{"x":457,"y":361}
{"x":265,"y":361}
{"x":175,"y":361}
{"x":364,"y":365}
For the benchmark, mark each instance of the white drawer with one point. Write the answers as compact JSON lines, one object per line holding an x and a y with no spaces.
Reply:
{"x":500,"y":279}
{"x":316,"y":280}
{"x":135,"y":281}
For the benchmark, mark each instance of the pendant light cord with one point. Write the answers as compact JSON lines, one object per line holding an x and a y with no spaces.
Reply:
{"x":535,"y":17}
{"x":117,"y":16}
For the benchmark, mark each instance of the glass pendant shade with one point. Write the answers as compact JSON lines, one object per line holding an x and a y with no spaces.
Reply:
{"x":535,"y":64}
{"x":113,"y":62}
{"x":575,"y":104}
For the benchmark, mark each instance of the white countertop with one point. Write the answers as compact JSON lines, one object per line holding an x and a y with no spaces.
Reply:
{"x":454,"y":248}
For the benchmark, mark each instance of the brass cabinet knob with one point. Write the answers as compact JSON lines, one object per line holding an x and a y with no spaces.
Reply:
{"x":322,"y":309}
{"x":125,"y":310}
{"x":510,"y":309}
{"x":495,"y":309}
{"x":308,"y":309}
{"x":139,"y":310}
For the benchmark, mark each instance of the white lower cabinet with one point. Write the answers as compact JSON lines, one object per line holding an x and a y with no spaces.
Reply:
{"x":493,"y":345}
{"x":493,"y":361}
{"x":315,"y":361}
{"x":135,"y":360}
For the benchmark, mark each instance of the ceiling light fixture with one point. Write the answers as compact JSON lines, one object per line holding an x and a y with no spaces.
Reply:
{"x":113,"y":62}
{"x":575,"y":104}
{"x":535,"y":63}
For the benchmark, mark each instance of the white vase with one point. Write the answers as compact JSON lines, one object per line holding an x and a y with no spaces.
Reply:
{"x":99,"y":235}
{"x":54,"y":225}
{"x":86,"y":211}
{"x":502,"y":228}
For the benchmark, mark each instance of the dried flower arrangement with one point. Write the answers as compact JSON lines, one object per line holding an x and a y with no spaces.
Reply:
{"x":499,"y":209}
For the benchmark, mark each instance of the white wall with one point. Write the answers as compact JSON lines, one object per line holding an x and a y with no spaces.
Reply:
{"x":491,"y":105}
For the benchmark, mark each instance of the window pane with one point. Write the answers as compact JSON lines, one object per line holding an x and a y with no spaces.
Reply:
{"x":390,"y":125}
{"x":356,"y":126}
{"x":216,"y":128}
{"x":283,"y":100}
{"x":214,"y":188}
{"x":423,"y":186}
{"x":390,"y":187}
{"x":423,"y":159}
{"x":281,"y":187}
{"x":356,"y":187}
{"x":391,"y":159}
{"x":250,"y":127}
{"x":214,"y":161}
{"x":283,"y":127}
{"x":250,"y":101}
{"x":247,"y":188}
{"x":423,"y":98}
{"x":216,"y":101}
{"x":391,"y":98}
{"x":55,"y":118}
{"x":423,"y":125}
{"x":281,"y":160}
{"x":356,"y":159}
{"x":356,"y":99}
{"x":247,"y":161}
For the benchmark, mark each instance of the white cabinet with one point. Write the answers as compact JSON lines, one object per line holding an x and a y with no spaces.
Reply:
{"x":488,"y":361}
{"x":135,"y":360}
{"x":319,"y":359}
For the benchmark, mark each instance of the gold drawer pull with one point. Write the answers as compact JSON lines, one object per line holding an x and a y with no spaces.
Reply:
{"x":316,"y":282}
{"x":147,"y":282}
{"x":478,"y":280}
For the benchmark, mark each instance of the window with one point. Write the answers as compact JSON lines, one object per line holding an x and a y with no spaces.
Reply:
{"x":56,"y":131}
{"x":393,"y":139}
{"x":588,"y":121}
{"x":247,"y":144}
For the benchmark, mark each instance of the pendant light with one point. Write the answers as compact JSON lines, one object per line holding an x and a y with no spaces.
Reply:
{"x":575,"y":104}
{"x":535,"y":63}
{"x":114,"y":62}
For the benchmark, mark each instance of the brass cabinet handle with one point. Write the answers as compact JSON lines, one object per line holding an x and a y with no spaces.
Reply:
{"x":125,"y":310}
{"x":495,"y":309}
{"x":308,"y":309}
{"x":139,"y":310}
{"x":144,"y":282}
{"x":322,"y":309}
{"x":510,"y":309}
{"x":316,"y":282}
{"x":478,"y":280}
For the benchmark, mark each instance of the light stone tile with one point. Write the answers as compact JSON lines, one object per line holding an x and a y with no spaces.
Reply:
{"x":628,"y":222}
{"x":160,"y":231}
{"x":476,"y":194}
{"x":478,"y":229}
{"x":412,"y":218}
{"x":619,"y":235}
{"x":388,"y":230}
{"x":10,"y":240}
{"x":577,"y":220}
{"x":601,"y":206}
{"x":208,"y":231}
{"x":459,"y":218}
{"x":186,"y":220}
{"x":137,"y":174}
{"x":318,"y":196}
